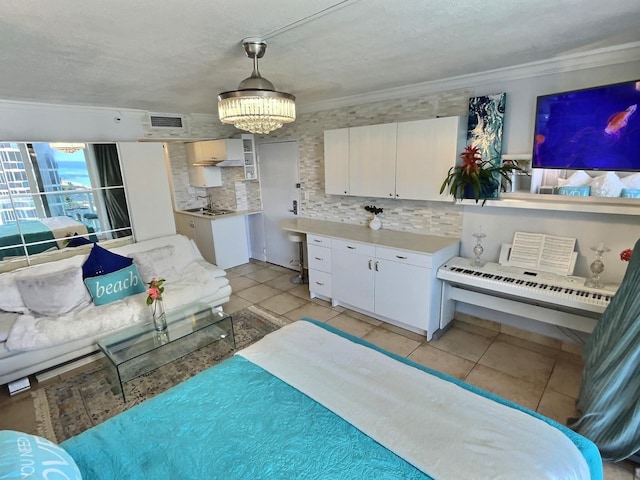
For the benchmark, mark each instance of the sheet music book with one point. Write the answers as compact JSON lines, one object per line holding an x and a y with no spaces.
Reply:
{"x":547,"y":253}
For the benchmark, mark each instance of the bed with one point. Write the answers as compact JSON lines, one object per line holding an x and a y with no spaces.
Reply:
{"x":310,"y":401}
{"x":51,"y":232}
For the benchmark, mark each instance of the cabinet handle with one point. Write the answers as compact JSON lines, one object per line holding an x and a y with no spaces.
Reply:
{"x":401,"y":257}
{"x":318,"y":258}
{"x":317,"y":241}
{"x":319,"y":283}
{"x":350,"y":247}
{"x":377,"y":267}
{"x":370,"y":264}
{"x":345,"y":191}
{"x":191,"y":224}
{"x":391,"y":194}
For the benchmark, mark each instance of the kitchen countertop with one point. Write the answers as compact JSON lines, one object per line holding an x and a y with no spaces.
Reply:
{"x":361,"y":233}
{"x":218,"y":217}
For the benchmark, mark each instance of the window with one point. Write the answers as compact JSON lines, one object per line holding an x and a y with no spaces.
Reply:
{"x":50,"y":195}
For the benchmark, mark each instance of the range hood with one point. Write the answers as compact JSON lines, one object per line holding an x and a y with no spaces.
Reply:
{"x":219,"y":163}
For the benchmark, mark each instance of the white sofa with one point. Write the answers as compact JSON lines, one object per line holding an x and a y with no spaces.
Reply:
{"x":31,"y":343}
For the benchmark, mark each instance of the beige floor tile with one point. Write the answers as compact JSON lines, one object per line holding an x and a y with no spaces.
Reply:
{"x":477,"y":329}
{"x":392,"y":342}
{"x":479,"y":322}
{"x":518,"y":362}
{"x":462,"y":343}
{"x":235,"y":303}
{"x":557,"y":406}
{"x":325,"y":303}
{"x":614,"y":472}
{"x":363,"y":317}
{"x":312,"y":310}
{"x":404,"y":332}
{"x":258,"y":293}
{"x":263,"y":275}
{"x":246,"y":268}
{"x":515,"y":389}
{"x":546,"y":350}
{"x":573,"y":348}
{"x":283,"y":303}
{"x":442,"y":361}
{"x":566,"y":378}
{"x":570,"y":357}
{"x":280,"y":269}
{"x":531,"y":337}
{"x":350,"y":325}
{"x":18,"y":413}
{"x":241,"y":282}
{"x":301,"y":291}
{"x":282,"y":282}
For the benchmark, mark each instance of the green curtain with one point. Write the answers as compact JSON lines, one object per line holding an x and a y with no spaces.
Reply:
{"x":110,"y":175}
{"x":609,"y":398}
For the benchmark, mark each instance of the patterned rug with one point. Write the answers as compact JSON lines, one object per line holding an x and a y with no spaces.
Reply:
{"x":71,"y":406}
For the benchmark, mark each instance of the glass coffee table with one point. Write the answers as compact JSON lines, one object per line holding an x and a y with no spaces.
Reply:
{"x":140,"y":349}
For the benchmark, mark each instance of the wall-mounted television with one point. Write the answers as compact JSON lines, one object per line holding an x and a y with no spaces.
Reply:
{"x":590,"y":129}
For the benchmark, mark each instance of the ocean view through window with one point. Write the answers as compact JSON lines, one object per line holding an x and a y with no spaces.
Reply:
{"x":51,"y":199}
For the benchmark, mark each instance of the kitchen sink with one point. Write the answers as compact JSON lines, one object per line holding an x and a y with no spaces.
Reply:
{"x":211,"y":212}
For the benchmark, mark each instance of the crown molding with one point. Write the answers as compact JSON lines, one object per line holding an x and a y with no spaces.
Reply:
{"x":601,"y":57}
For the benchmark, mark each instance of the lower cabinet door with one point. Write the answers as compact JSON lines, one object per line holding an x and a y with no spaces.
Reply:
{"x":353,"y":279}
{"x":320,"y":283}
{"x":402,"y":292}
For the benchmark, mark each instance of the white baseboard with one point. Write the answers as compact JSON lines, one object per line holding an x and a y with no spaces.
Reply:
{"x":67,"y":367}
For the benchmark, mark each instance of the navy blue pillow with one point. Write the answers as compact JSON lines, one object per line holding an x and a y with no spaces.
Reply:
{"x":101,"y":261}
{"x":78,"y":241}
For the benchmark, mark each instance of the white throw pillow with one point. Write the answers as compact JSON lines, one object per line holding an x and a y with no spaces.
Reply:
{"x":577,"y":179}
{"x":607,"y":185}
{"x":54,"y":294}
{"x":156,"y":263}
{"x":10,"y":298}
{"x":631,"y":181}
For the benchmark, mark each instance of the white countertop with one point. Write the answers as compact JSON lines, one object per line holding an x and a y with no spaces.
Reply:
{"x":361,"y":233}
{"x":218,"y":217}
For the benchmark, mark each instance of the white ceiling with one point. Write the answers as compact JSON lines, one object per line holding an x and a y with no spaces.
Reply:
{"x":176,"y":56}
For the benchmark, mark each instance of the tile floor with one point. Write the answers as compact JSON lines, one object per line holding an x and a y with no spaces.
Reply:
{"x":537,"y":372}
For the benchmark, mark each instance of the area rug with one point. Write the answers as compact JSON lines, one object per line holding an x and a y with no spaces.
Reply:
{"x":72,"y":405}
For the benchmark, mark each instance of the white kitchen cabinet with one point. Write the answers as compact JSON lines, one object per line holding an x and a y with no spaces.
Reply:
{"x":205,"y":176}
{"x":336,"y":161}
{"x":352,"y":274}
{"x":221,"y":241}
{"x":320,"y":266}
{"x":250,"y":157}
{"x":405,"y":160}
{"x":215,"y":150}
{"x":426,"y":150}
{"x":372,"y":160}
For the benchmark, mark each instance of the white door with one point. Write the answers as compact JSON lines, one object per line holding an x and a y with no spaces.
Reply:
{"x":278,"y":179}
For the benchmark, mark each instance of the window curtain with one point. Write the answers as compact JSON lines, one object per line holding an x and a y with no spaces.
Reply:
{"x":609,"y":398}
{"x":110,"y":175}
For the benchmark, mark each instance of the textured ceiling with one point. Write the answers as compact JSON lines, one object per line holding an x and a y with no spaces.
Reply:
{"x":175,"y":57}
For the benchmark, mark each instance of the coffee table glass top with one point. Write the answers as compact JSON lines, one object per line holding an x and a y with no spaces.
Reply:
{"x":139,"y":348}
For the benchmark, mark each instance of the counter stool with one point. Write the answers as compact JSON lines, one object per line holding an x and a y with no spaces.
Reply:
{"x":298,"y":262}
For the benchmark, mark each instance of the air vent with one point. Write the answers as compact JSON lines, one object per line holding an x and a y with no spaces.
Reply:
{"x":166,"y":121}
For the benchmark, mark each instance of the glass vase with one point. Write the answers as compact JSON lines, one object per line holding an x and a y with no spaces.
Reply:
{"x":375,"y":223}
{"x":159,"y":317}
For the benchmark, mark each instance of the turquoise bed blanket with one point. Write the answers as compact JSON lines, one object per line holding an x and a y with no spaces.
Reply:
{"x":236,"y":421}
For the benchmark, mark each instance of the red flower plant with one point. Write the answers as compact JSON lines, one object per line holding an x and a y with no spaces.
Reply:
{"x":625,"y":255}
{"x":155,"y":290}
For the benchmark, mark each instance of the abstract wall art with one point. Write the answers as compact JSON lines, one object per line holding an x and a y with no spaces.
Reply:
{"x":484,"y":128}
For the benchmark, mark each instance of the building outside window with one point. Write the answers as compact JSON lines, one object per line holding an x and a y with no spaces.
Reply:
{"x":50,"y":195}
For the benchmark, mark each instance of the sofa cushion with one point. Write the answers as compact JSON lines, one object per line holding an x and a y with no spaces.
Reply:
{"x":6,"y":322}
{"x":10,"y":299}
{"x":156,"y":263}
{"x":101,"y":261}
{"x":23,"y":455}
{"x":115,"y":285}
{"x":631,"y":181}
{"x":53,"y":294}
{"x":576,"y":179}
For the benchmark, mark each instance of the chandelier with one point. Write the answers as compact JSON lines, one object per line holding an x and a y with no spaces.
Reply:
{"x":67,"y":147}
{"x":256,"y":106}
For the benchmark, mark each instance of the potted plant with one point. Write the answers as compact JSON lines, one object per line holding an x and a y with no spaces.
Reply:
{"x":476,"y":178}
{"x":374,"y":223}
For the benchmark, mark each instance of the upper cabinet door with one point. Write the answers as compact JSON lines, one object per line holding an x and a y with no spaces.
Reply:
{"x":215,"y":150}
{"x":336,"y":161}
{"x":427,"y":149}
{"x":372,"y":160}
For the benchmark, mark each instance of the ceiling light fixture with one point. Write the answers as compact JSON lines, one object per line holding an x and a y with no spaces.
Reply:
{"x":67,"y":147}
{"x":256,"y":106}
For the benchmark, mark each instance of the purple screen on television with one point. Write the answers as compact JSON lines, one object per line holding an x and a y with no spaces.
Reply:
{"x":592,"y":129}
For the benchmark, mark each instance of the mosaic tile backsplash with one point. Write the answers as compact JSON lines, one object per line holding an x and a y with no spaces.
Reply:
{"x":433,"y":218}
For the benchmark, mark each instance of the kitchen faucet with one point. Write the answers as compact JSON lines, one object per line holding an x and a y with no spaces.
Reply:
{"x":208,"y":206}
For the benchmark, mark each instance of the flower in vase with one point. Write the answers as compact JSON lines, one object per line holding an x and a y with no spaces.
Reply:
{"x":373,"y":209}
{"x":155,"y":290}
{"x":625,"y":255}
